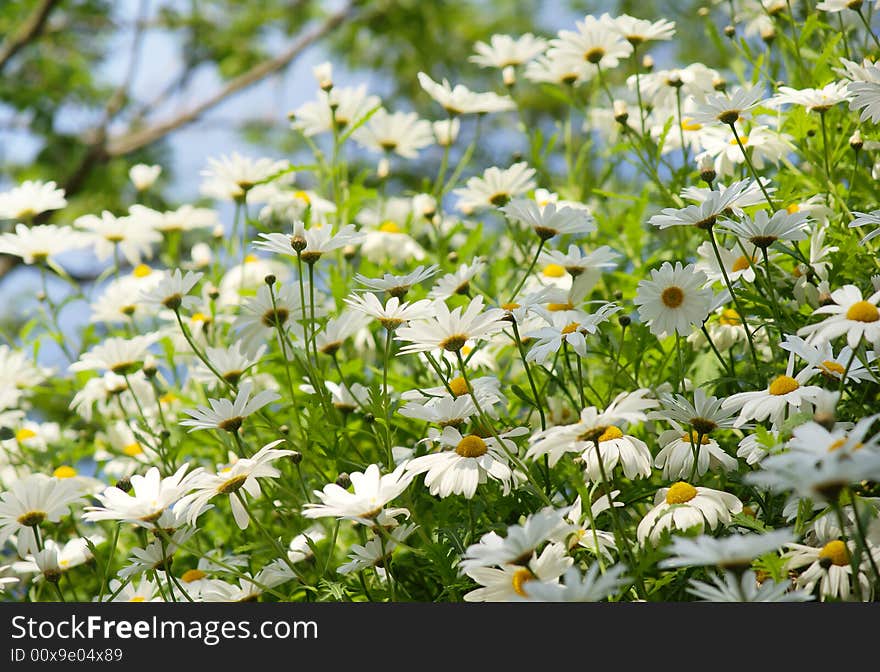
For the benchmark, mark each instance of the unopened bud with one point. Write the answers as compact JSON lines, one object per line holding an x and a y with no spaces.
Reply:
{"x":383,"y":169}
{"x":855,"y":140}
{"x":621,"y":113}
{"x":624,"y":320}
{"x":509,"y":76}
{"x":729,"y":30}
{"x":151,"y":367}
{"x":323,"y":73}
{"x":296,"y":457}
{"x":648,"y":62}
{"x":343,"y":480}
{"x":719,"y":84}
{"x":124,"y":484}
{"x":270,"y":279}
{"x":768,"y":34}
{"x":707,"y":169}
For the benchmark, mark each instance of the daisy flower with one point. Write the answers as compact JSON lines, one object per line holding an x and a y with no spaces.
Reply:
{"x":705,"y":414}
{"x":240,"y":474}
{"x":402,"y":133}
{"x":549,"y":339}
{"x":496,"y":187}
{"x":229,"y":415}
{"x":507,"y":583}
{"x":443,"y":411}
{"x":56,"y":559}
{"x":231,"y":362}
{"x":231,"y":176}
{"x":30,"y":199}
{"x":272,"y":308}
{"x":446,"y":131}
{"x":864,"y":87}
{"x":813,"y":100}
{"x":584,"y":533}
{"x":727,"y":108}
{"x":144,"y":176}
{"x":520,"y":542}
{"x":762,"y":230}
{"x":589,"y":587}
{"x":119,"y":355}
{"x":343,"y":398}
{"x":339,"y":329}
{"x":560,"y":69}
{"x":765,"y":146}
{"x":683,"y":506}
{"x":29,"y":502}
{"x":110,"y":233}
{"x":144,"y":590}
{"x":676,"y":457}
{"x":457,"y":282}
{"x":185,"y":218}
{"x":310,"y":244}
{"x":813,"y":438}
{"x":637,"y":31}
{"x":593,"y":425}
{"x":849,"y":314}
{"x":36,"y":244}
{"x":171,"y":291}
{"x":787,"y":392}
{"x":389,"y":243}
{"x":821,"y":356}
{"x":150,"y":495}
{"x":735,"y":587}
{"x":366,"y":505}
{"x":703,"y":215}
{"x":397,"y":285}
{"x":451,"y":330}
{"x":818,"y":478}
{"x":377,"y":550}
{"x":504,"y":51}
{"x":471,"y":462}
{"x":755,"y":447}
{"x":549,"y":222}
{"x":597,"y":43}
{"x":674,"y":300}
{"x":738,"y":266}
{"x":461,"y":100}
{"x":576,"y":262}
{"x":394,"y":312}
{"x":839,"y":5}
{"x":732,"y":552}
{"x":340,"y":107}
{"x":827,"y":565}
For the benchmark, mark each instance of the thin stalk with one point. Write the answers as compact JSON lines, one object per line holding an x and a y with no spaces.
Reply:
{"x":752,"y":167}
{"x":522,"y":353}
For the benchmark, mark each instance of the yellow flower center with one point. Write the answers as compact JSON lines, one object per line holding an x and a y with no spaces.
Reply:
{"x":556,"y":307}
{"x":250,"y":258}
{"x":570,"y":328}
{"x":138,"y":598}
{"x":303,"y":196}
{"x":168,"y":398}
{"x":835,"y":551}
{"x":232,"y":485}
{"x":832,"y":367}
{"x":200,"y":317}
{"x":191,"y":575}
{"x":610,"y":434}
{"x":688,"y":124}
{"x":862,"y":311}
{"x":24,"y":434}
{"x":466,"y":350}
{"x":729,"y":317}
{"x":695,"y":437}
{"x":680,"y":492}
{"x":783,"y":385}
{"x":471,"y":446}
{"x":594,"y":55}
{"x":31,"y":518}
{"x":453,"y":343}
{"x":389,"y":227}
{"x":520,"y":578}
{"x":793,"y":208}
{"x":458,"y":386}
{"x":64,"y":471}
{"x":744,"y":139}
{"x":133,"y":449}
{"x":141,"y":271}
{"x":672,"y":297}
{"x":742,"y":263}
{"x":511,"y":305}
{"x":554,"y":271}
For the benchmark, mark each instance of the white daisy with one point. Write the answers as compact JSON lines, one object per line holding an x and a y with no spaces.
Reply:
{"x":637,"y":31}
{"x":144,"y":176}
{"x":734,"y":551}
{"x":185,"y":218}
{"x":676,"y":457}
{"x":240,"y":474}
{"x":589,"y":587}
{"x":377,"y":550}
{"x":849,"y":314}
{"x":109,"y":233}
{"x":232,"y":176}
{"x":366,"y":505}
{"x":339,"y":108}
{"x":828,"y":566}
{"x":683,"y":506}
{"x":867,"y":219}
{"x":443,"y":411}
{"x":471,"y":462}
{"x":457,"y":282}
{"x":674,"y":300}
{"x":728,"y":107}
{"x":311,"y":243}
{"x":150,"y":495}
{"x":821,"y":356}
{"x":119,"y":355}
{"x":762,"y":230}
{"x":496,"y":187}
{"x":549,"y":222}
{"x":172,"y":290}
{"x":394,"y":312}
{"x":397,"y":285}
{"x":228,"y":415}
{"x":29,"y":502}
{"x":461,"y":100}
{"x":737,"y":266}
{"x":596,"y":43}
{"x":402,"y":133}
{"x":563,"y":328}
{"x":36,"y":244}
{"x":705,"y":214}
{"x":507,"y":583}
{"x":813,"y":100}
{"x":787,"y":392}
{"x":736,"y":587}
{"x":30,"y":199}
{"x":450,"y":330}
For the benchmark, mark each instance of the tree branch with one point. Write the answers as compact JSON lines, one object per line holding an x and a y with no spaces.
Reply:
{"x":130,"y":142}
{"x":28,"y":31}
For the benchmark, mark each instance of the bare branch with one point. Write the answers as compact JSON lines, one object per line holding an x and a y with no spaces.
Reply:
{"x":28,"y":31}
{"x":130,"y":142}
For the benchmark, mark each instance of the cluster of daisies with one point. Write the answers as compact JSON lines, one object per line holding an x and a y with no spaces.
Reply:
{"x":508,"y":385}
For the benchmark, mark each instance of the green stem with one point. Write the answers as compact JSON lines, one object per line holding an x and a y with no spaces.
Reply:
{"x":522,"y":353}
{"x":752,"y":167}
